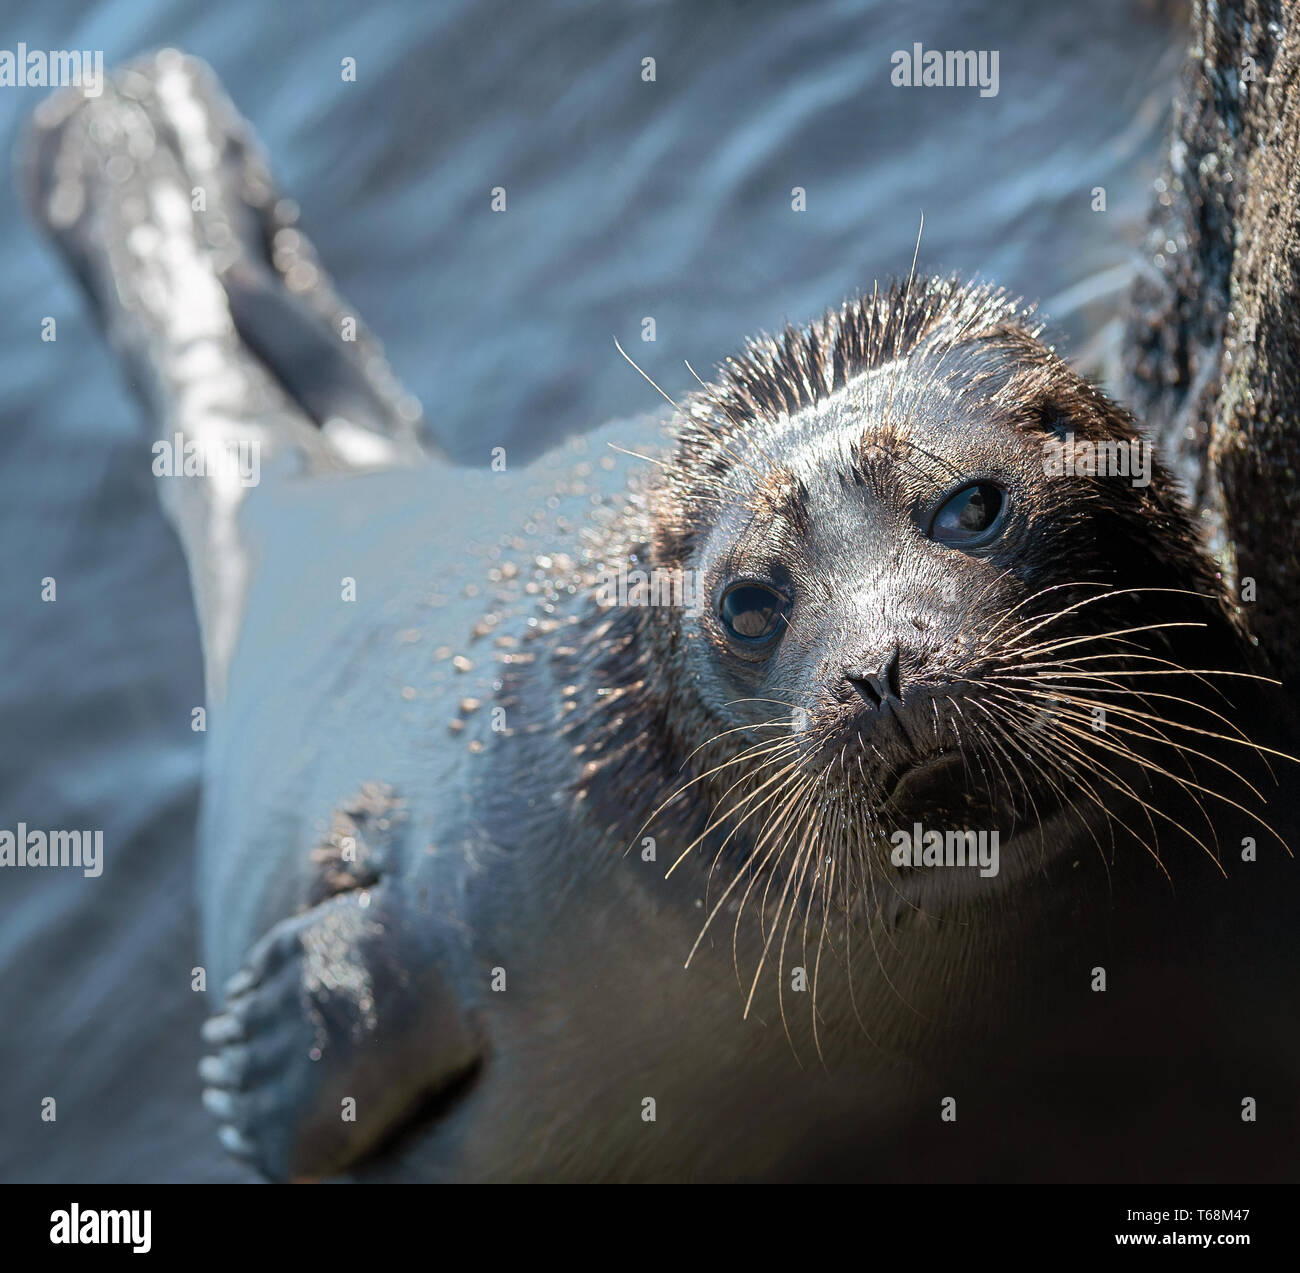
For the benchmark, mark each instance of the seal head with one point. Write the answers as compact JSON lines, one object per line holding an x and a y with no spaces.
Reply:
{"x":912,"y":612}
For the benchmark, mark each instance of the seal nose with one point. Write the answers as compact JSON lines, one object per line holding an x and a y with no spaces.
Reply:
{"x":881,"y":685}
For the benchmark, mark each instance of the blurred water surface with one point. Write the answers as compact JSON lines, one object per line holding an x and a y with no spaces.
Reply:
{"x":627,"y":199}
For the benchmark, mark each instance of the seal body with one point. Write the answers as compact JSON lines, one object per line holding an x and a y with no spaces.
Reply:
{"x":515,"y":764}
{"x":825,"y":786}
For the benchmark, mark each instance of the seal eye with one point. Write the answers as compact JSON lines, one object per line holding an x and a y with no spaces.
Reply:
{"x":970,"y":514}
{"x":751,"y":611}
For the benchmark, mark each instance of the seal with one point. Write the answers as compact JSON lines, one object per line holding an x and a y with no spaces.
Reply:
{"x":861,"y":686}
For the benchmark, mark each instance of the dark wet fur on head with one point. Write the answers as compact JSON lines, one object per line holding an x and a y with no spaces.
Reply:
{"x":723,"y":425}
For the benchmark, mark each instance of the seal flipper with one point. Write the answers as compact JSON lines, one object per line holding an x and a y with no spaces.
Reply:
{"x":339,"y":1027}
{"x":163,"y":205}
{"x":297,"y":345}
{"x":158,"y":186}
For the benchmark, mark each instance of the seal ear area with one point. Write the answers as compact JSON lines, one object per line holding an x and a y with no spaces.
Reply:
{"x":1051,"y":420}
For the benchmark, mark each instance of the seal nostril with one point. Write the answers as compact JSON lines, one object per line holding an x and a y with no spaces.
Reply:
{"x":892,"y":675}
{"x":866,"y":686}
{"x":883,"y":684}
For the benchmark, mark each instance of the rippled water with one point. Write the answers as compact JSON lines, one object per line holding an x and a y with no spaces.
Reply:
{"x":627,"y":200}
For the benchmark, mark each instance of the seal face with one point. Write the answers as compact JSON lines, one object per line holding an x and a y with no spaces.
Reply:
{"x":913,"y":617}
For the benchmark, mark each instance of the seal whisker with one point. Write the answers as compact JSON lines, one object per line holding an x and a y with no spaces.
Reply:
{"x":999,"y":736}
{"x":1131,"y":652}
{"x":875,"y":950}
{"x":1108,"y":595}
{"x":1069,"y":756}
{"x":803,"y":859}
{"x":645,"y":375}
{"x":1081,"y":717}
{"x":813,"y":830}
{"x":1069,"y":692}
{"x":1238,"y":739}
{"x":1063,"y":643}
{"x":636,"y":455}
{"x":739,"y":875}
{"x":1108,"y":775}
{"x":989,"y":633}
{"x":720,"y":813}
{"x":829,"y":877}
{"x":1126,"y":753}
{"x":739,"y":758}
{"x":902,"y":322}
{"x":1066,"y":669}
{"x":1033,"y":753}
{"x":791,"y":813}
{"x":741,"y":818}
